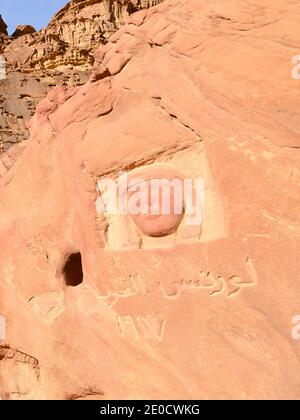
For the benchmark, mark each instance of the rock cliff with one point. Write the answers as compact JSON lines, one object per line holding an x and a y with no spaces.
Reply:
{"x":104,"y":305}
{"x":60,"y":54}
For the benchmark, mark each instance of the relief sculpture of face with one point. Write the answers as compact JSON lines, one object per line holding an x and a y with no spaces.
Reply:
{"x":157,"y":206}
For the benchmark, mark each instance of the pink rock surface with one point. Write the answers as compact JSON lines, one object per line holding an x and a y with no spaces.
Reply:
{"x":204,"y":89}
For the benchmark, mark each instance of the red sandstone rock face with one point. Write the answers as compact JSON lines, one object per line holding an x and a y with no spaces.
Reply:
{"x":202,"y":89}
{"x":22,"y":30}
{"x":61,"y":54}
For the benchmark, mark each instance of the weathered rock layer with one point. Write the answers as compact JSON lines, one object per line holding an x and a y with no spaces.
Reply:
{"x":61,"y":54}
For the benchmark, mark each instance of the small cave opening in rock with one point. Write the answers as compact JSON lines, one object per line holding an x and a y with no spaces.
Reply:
{"x":73,"y":271}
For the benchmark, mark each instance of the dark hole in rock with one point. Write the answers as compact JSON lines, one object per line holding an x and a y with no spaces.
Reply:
{"x":72,"y":272}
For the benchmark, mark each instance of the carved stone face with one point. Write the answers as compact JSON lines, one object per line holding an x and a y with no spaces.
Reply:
{"x":157,"y":225}
{"x":163,"y":208}
{"x":165,"y":202}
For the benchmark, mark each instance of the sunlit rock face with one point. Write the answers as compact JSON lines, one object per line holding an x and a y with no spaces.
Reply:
{"x":22,"y":30}
{"x":61,"y":54}
{"x":97,"y":304}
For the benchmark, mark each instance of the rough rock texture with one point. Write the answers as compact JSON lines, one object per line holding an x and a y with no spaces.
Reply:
{"x":3,"y":26}
{"x":60,"y":54}
{"x":23,"y":30}
{"x":202,"y":89}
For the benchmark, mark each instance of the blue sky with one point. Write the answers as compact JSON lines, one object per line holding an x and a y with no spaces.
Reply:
{"x":29,"y":12}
